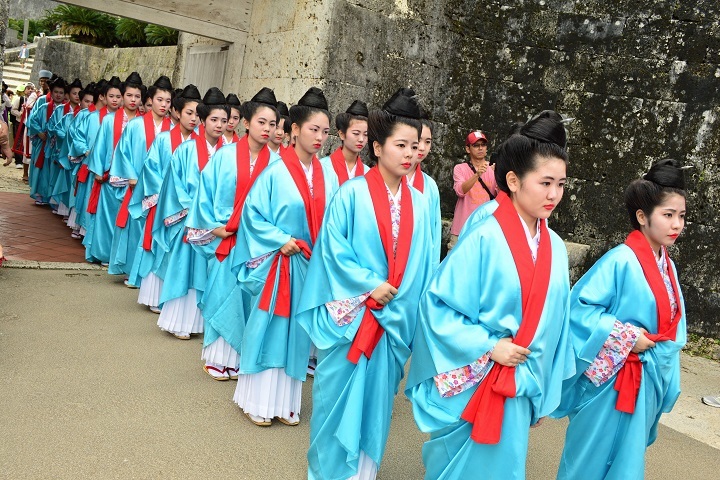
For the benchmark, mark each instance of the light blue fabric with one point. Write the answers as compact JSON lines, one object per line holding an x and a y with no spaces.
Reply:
{"x":478,"y":215}
{"x":128,"y":162}
{"x":185,"y":269}
{"x":83,"y":133}
{"x":474,"y":300}
{"x":432,"y":195}
{"x":58,"y":126}
{"x":40,"y":187}
{"x":98,"y":239}
{"x":602,"y":442}
{"x":149,"y":184}
{"x":225,"y":305}
{"x":273,"y":213}
{"x":327,"y":162}
{"x":352,"y":404}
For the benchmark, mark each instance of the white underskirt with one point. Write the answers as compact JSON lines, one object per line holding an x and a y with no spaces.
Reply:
{"x":367,"y":468}
{"x":269,"y":394}
{"x":181,"y":315}
{"x":221,"y":353}
{"x":63,"y":210}
{"x":83,"y":231}
{"x":71,"y":219}
{"x":150,"y":288}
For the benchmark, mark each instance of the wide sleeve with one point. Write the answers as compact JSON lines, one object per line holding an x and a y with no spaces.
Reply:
{"x":461,"y":173}
{"x":101,"y":152}
{"x":130,"y":151}
{"x":35,"y":123}
{"x":435,"y":223}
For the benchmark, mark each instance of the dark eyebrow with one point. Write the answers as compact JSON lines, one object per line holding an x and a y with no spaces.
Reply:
{"x":548,"y":177}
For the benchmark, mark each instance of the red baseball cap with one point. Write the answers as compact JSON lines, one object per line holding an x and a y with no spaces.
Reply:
{"x":474,"y":137}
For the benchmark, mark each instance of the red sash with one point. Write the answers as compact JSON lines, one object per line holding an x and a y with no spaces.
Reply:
{"x":92,"y":108}
{"x":242,"y":187}
{"x":314,"y":211}
{"x":175,"y":141}
{"x":234,"y":139}
{"x":40,"y":162}
{"x":370,"y":331}
{"x":338,"y":163}
{"x":419,"y":179}
{"x":97,"y":184}
{"x":21,"y":144}
{"x":102,"y":112}
{"x":486,"y":408}
{"x":629,"y":377}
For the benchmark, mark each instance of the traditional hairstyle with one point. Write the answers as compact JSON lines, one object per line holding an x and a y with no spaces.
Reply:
{"x":162,"y":84}
{"x":664,"y":178}
{"x":90,"y":89}
{"x":213,"y":100}
{"x":284,"y":115}
{"x":542,"y":136}
{"x":132,"y":81}
{"x":57,"y":82}
{"x":143,"y":94}
{"x":357,"y":111}
{"x":114,"y":82}
{"x":312,"y":102}
{"x":75,"y":84}
{"x":401,"y":108}
{"x":188,"y":94}
{"x":264,"y":98}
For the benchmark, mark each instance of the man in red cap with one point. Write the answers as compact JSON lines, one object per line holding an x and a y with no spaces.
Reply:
{"x":474,"y":182}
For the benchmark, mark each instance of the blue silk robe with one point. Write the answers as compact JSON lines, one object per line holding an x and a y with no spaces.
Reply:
{"x":186,"y":269}
{"x":149,"y":184}
{"x":431,"y":194}
{"x":352,"y":404}
{"x":225,"y":305}
{"x":58,"y":126}
{"x":40,"y":186}
{"x":82,"y":133}
{"x":602,"y":442}
{"x":473,"y":301}
{"x":128,"y":162}
{"x":273,"y":213}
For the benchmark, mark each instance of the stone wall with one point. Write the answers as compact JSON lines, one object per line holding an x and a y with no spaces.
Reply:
{"x":641,"y":78}
{"x":31,"y":9}
{"x":71,"y":60}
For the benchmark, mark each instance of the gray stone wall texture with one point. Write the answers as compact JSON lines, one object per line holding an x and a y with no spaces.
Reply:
{"x":641,"y":78}
{"x":70,"y":60}
{"x":31,"y":9}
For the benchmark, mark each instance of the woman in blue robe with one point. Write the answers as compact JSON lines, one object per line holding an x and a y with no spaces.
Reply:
{"x":38,"y":130}
{"x":83,"y":134}
{"x":148,"y":268}
{"x":368,"y":271}
{"x":280,"y":222}
{"x":492,"y":348}
{"x":108,"y":191}
{"x":428,"y":187}
{"x":213,"y":222}
{"x":130,"y":156}
{"x":186,"y":273}
{"x":352,"y":130}
{"x":627,"y":321}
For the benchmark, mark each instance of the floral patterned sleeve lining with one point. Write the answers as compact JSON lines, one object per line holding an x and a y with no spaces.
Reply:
{"x":199,"y":236}
{"x":460,"y":379}
{"x":613,"y":353}
{"x":175,"y":217}
{"x":149,"y":202}
{"x":343,"y":312}
{"x":255,"y":262}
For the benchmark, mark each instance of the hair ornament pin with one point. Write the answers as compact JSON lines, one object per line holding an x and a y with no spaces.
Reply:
{"x":565,"y":121}
{"x":687,"y":167}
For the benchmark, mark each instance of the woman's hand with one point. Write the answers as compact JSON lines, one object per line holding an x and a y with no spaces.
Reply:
{"x":98,"y":178}
{"x":132,"y":182}
{"x":384,"y":293}
{"x":509,"y":354}
{"x":220,"y":232}
{"x":539,"y":422}
{"x":643,"y":343}
{"x":290,"y":248}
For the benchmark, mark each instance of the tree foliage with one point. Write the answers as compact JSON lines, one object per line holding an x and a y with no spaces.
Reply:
{"x":35,"y":27}
{"x":84,"y":25}
{"x":131,"y":33}
{"x":157,"y":35}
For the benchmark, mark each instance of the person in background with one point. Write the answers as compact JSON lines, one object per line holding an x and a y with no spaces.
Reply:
{"x":24,"y":54}
{"x":474,"y":182}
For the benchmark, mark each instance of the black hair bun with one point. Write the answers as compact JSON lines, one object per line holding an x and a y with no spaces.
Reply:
{"x":59,"y":82}
{"x":358,"y":108}
{"x":283,"y":109}
{"x":134,"y":78}
{"x":214,"y":97}
{"x":546,"y":127}
{"x":163,"y":83}
{"x":666,"y":173}
{"x":75,"y":84}
{"x":114,"y":82}
{"x":266,"y":96}
{"x":403,"y":104}
{"x":191,"y":92}
{"x":233,"y":100}
{"x":314,"y":98}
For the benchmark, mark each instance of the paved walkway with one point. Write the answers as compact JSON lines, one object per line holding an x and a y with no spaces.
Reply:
{"x":30,"y":232}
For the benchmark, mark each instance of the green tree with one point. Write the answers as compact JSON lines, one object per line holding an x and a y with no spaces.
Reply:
{"x":84,"y":25}
{"x":157,"y":35}
{"x":35,"y":27}
{"x":131,"y":32}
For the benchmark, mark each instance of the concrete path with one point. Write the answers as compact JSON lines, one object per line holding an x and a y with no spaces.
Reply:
{"x":90,"y":388}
